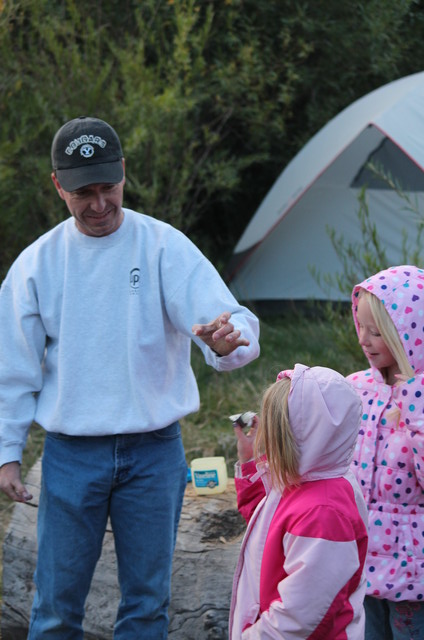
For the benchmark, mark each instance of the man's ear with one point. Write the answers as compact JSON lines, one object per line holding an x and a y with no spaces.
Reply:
{"x":57,"y":184}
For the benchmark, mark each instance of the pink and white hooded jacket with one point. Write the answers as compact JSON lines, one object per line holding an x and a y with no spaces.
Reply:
{"x":389,"y":456}
{"x":300,"y":572}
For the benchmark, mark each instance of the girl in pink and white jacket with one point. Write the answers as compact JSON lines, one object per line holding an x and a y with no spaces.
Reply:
{"x":300,"y":572}
{"x":388,"y":462}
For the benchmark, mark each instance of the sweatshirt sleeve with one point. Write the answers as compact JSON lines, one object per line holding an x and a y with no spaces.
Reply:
{"x":322,"y":570}
{"x":22,"y":343}
{"x":195,"y":293}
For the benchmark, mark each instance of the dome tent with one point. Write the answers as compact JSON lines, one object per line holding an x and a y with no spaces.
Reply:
{"x":319,"y":188}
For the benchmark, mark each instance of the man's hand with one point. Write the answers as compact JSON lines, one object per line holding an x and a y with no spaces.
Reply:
{"x":11,"y":484}
{"x":220,"y":335}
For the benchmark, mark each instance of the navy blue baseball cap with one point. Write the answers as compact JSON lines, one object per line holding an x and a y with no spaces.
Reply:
{"x":87,"y":151}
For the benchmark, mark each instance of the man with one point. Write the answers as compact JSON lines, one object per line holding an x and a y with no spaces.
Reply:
{"x":96,"y":323}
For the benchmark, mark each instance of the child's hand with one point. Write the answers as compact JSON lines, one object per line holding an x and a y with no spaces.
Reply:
{"x":246,"y":441}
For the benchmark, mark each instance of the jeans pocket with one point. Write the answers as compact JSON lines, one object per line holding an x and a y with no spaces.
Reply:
{"x":170,"y":432}
{"x":59,"y":436}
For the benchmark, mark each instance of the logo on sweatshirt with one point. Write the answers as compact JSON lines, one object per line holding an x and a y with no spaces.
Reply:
{"x":134,"y":281}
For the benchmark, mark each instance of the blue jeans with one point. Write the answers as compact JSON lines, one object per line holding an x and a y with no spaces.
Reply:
{"x":137,"y":480}
{"x":386,"y":620}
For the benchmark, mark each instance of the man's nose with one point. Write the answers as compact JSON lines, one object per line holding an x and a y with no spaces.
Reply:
{"x":98,"y":203}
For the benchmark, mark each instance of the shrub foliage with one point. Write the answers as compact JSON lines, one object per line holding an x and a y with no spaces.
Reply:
{"x":211,"y":98}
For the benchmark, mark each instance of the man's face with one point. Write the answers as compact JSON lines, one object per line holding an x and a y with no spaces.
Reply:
{"x":97,"y":208}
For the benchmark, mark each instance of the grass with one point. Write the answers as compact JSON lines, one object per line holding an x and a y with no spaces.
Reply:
{"x":284,"y":341}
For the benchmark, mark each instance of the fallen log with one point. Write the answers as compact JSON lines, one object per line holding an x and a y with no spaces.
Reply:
{"x":206,"y":553}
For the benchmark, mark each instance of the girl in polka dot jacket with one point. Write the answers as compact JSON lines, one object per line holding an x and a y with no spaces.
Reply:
{"x":388,"y":462}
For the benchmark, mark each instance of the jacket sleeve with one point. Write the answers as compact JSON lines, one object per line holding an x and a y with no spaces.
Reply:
{"x":319,"y":572}
{"x":22,"y":343}
{"x":413,"y":419}
{"x":250,"y":490}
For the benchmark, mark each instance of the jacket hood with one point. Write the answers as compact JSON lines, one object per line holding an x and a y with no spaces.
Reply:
{"x":401,"y":290}
{"x":325,"y":414}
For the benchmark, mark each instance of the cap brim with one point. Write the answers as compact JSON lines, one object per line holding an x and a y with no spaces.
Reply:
{"x":105,"y":173}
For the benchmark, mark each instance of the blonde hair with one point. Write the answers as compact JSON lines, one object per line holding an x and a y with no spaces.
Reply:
{"x":275,"y":436}
{"x":389,"y":334}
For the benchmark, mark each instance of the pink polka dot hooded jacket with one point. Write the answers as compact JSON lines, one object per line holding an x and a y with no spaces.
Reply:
{"x":389,"y":456}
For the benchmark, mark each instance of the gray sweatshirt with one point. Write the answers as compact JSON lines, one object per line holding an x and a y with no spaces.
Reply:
{"x":95,"y":333}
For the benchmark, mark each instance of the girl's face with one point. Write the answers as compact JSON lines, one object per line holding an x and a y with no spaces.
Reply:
{"x":375,"y":349}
